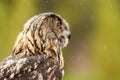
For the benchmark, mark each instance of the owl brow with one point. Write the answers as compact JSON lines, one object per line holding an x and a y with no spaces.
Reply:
{"x":60,"y":20}
{"x":50,"y":18}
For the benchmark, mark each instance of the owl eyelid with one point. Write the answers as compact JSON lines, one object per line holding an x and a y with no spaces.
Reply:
{"x":58,"y":25}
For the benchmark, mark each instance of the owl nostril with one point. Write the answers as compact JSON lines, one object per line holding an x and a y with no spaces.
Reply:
{"x":69,"y":37}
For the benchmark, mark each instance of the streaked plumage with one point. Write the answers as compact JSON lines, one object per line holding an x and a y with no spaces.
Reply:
{"x":37,"y":53}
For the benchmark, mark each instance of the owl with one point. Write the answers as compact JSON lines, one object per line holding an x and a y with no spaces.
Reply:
{"x":37,"y":53}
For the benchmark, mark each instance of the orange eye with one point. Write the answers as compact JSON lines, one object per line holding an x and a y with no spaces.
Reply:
{"x":58,"y":25}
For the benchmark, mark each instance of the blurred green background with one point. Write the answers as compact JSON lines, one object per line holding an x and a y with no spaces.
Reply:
{"x":94,"y":50}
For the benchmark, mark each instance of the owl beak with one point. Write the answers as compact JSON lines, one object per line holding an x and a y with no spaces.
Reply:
{"x":69,"y":37}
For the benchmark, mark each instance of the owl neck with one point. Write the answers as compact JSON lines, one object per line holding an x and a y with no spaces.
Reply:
{"x":36,"y":46}
{"x":45,"y":47}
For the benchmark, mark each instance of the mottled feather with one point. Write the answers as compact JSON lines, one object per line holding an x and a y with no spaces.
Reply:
{"x":37,"y":53}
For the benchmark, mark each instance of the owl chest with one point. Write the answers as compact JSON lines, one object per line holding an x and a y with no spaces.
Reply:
{"x":51,"y":70}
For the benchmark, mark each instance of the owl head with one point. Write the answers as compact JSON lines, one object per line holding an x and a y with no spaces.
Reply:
{"x":43,"y":31}
{"x":50,"y":26}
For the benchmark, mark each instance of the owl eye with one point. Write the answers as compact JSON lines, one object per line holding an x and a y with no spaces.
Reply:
{"x":58,"y":25}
